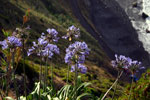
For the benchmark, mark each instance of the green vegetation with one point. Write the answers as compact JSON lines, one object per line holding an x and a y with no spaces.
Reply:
{"x":140,"y":89}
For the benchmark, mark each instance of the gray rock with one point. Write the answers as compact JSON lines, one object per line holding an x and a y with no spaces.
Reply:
{"x":115,"y":23}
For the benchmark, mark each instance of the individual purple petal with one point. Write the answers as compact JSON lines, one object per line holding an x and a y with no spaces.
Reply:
{"x":113,"y":63}
{"x":42,"y":41}
{"x":30,"y":51}
{"x":142,"y":67}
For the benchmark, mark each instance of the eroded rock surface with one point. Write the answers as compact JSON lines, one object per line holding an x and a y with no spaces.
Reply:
{"x":113,"y":24}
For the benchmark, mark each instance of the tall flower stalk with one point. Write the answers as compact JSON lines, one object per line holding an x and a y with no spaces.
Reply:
{"x":11,"y":43}
{"x":45,"y":49}
{"x":72,"y":32}
{"x":134,"y":67}
{"x":130,"y":89}
{"x":75,"y":56}
{"x":52,"y":77}
{"x":112,"y":86}
{"x":45,"y":74}
{"x":123,"y":64}
{"x":115,"y":87}
{"x":13,"y":73}
{"x":23,"y":34}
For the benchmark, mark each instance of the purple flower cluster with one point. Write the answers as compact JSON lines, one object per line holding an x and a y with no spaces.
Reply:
{"x":72,"y":31}
{"x":135,"y":65}
{"x":81,"y":68}
{"x":37,"y":47}
{"x":121,"y":62}
{"x":52,"y":35}
{"x":41,"y":41}
{"x":126,"y":63}
{"x":76,"y":52}
{"x":11,"y":42}
{"x":49,"y":50}
{"x":44,"y":47}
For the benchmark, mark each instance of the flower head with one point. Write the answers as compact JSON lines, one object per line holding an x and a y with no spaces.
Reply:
{"x":126,"y":63}
{"x":52,"y":35}
{"x":37,"y":47}
{"x":78,"y":51}
{"x":11,"y":42}
{"x":49,"y":50}
{"x":135,"y":66}
{"x":72,"y":31}
{"x":43,"y":48}
{"x":4,"y":44}
{"x":121,"y":62}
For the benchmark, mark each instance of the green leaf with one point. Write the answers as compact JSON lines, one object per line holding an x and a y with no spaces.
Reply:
{"x":22,"y":98}
{"x":5,"y":33}
{"x":64,"y":92}
{"x":3,"y":62}
{"x":37,"y":89}
{"x":83,"y":95}
{"x":56,"y":98}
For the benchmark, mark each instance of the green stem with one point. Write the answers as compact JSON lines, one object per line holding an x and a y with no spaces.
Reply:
{"x":45,"y":78}
{"x":2,"y":88}
{"x":7,"y":86}
{"x":76,"y":76}
{"x":1,"y":95}
{"x":115,"y":87}
{"x":24,"y":71}
{"x":51,"y":76}
{"x":112,"y":86}
{"x":40,"y":75}
{"x":68,"y":74}
{"x":130,"y":89}
{"x":15,"y":85}
{"x":7,"y":77}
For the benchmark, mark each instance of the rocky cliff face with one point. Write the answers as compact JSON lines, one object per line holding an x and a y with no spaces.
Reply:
{"x":111,"y":23}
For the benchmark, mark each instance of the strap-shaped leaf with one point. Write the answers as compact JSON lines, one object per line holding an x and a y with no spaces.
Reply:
{"x":83,"y":95}
{"x":37,"y":89}
{"x":22,"y":98}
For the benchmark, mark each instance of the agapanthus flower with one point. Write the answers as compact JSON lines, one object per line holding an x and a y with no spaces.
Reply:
{"x":121,"y":62}
{"x":76,"y":53}
{"x":77,"y":49}
{"x":43,"y":48}
{"x":49,"y":50}
{"x":21,"y":32}
{"x":135,"y":66}
{"x":11,"y":42}
{"x":127,"y":64}
{"x":4,"y":44}
{"x":37,"y":47}
{"x":80,"y":68}
{"x":52,"y":35}
{"x":42,"y":41}
{"x":72,"y":31}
